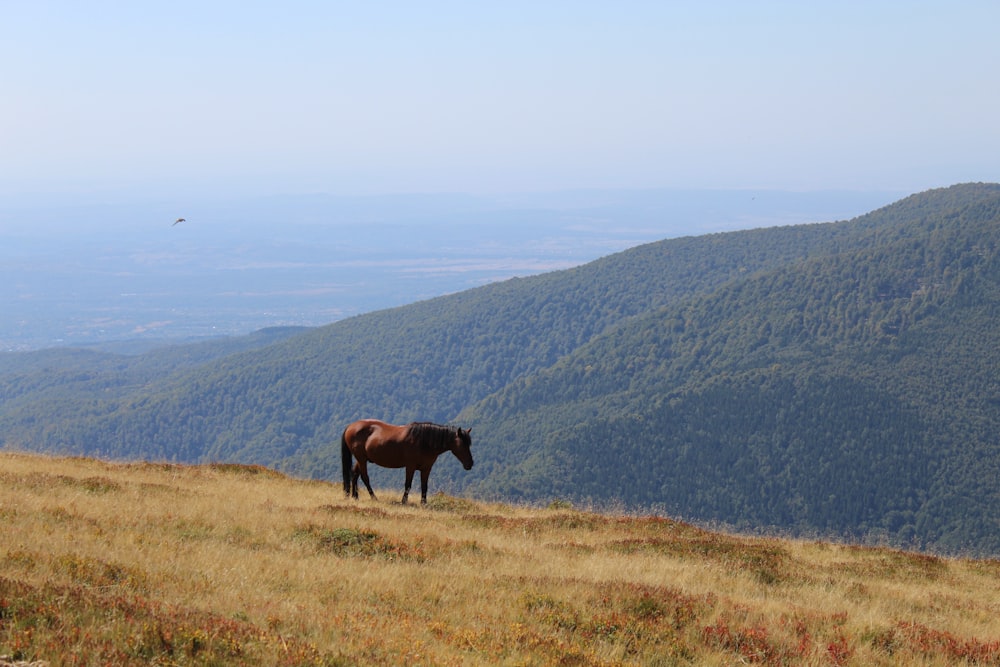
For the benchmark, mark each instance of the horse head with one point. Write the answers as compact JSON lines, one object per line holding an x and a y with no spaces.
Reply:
{"x":461,"y":448}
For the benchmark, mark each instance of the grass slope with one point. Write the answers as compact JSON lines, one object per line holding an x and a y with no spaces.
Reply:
{"x":144,"y":563}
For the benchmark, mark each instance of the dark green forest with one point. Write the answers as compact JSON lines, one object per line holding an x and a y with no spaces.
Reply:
{"x":836,"y":379}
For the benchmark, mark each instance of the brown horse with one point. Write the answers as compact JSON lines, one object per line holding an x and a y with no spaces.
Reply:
{"x":415,"y":446}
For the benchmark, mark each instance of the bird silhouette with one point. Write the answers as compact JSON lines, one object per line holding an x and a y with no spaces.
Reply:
{"x":178,"y":220}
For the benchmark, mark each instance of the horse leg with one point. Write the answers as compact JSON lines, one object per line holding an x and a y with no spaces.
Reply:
{"x":355,"y":473}
{"x":424,"y":474}
{"x":409,"y":483}
{"x":364,"y":478}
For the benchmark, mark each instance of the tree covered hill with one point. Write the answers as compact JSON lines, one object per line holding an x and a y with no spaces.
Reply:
{"x":853,"y":394}
{"x":833,"y":377}
{"x":428,"y":360}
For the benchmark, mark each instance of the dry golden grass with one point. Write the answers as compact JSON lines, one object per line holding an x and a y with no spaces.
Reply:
{"x":106,"y":563}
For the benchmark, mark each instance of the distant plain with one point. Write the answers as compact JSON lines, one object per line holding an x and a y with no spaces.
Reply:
{"x":83,"y":273}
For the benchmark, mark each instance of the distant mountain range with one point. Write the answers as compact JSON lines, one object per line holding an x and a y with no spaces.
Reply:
{"x":838,"y":379}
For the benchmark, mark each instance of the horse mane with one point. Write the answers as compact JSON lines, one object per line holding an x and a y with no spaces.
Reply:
{"x":433,"y":437}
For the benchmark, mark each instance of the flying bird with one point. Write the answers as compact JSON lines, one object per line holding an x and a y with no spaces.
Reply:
{"x":178,"y":220}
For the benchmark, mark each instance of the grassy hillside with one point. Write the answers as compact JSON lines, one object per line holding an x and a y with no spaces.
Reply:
{"x":154,"y":563}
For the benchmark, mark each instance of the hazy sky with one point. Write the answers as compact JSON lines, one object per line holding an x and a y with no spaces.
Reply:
{"x":245,"y":97}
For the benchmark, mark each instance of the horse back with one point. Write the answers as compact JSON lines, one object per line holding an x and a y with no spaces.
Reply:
{"x":378,"y":441}
{"x":363,"y":429}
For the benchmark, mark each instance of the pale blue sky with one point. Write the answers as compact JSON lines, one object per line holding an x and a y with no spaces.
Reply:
{"x":237,"y":97}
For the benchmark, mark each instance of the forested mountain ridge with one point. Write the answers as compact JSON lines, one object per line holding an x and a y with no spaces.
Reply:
{"x":428,"y":360}
{"x":854,"y":394}
{"x":830,"y":377}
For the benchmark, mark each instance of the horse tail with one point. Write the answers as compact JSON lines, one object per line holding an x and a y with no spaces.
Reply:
{"x":345,"y":460}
